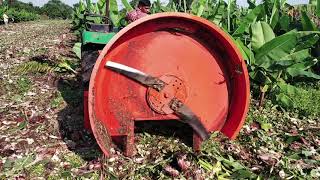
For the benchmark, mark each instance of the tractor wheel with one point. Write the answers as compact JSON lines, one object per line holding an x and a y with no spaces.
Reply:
{"x":89,"y":56}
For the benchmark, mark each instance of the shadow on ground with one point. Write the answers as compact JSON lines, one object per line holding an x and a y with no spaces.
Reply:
{"x":71,"y":122}
{"x":167,"y":128}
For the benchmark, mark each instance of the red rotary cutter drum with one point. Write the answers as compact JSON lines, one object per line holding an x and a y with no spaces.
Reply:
{"x":198,"y":63}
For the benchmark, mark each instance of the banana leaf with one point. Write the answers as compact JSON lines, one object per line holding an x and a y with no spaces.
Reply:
{"x":318,"y":8}
{"x":275,"y":50}
{"x":285,"y":100}
{"x":217,"y":14}
{"x":251,"y":3}
{"x":306,"y":64}
{"x":307,"y":41}
{"x":275,"y":14}
{"x":261,"y":34}
{"x":302,"y":73}
{"x":241,"y":47}
{"x":102,"y":7}
{"x":250,"y":18}
{"x":297,"y":56}
{"x":114,"y":13}
{"x":246,"y":52}
{"x":284,"y":22}
{"x":307,"y":24}
{"x":127,"y":5}
{"x":90,"y":7}
{"x":82,"y":6}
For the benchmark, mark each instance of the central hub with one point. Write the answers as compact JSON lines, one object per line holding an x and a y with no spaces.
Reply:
{"x":159,"y":101}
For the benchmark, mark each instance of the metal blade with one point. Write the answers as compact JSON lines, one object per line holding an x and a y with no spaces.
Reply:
{"x":185,"y":114}
{"x":136,"y":75}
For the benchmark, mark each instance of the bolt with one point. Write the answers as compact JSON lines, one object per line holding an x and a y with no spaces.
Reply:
{"x":166,"y":95}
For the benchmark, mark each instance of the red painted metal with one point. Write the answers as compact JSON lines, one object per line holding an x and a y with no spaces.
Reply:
{"x":190,"y":48}
{"x":87,"y":125}
{"x":160,"y":101}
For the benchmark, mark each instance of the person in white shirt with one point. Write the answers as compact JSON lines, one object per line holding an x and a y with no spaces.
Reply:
{"x":5,"y":18}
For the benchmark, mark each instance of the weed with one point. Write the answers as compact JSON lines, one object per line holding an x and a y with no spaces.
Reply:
{"x":305,"y":100}
{"x":74,"y":160}
{"x":57,"y":101}
{"x":23,"y":84}
{"x":37,"y":170}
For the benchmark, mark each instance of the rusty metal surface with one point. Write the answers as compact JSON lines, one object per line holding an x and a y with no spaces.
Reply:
{"x":159,"y":101}
{"x":199,"y":53}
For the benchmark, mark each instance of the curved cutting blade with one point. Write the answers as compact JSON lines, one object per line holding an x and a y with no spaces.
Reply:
{"x":136,"y":75}
{"x":188,"y":116}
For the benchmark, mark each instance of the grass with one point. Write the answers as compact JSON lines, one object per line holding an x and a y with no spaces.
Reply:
{"x":37,"y":170}
{"x":74,"y":160}
{"x":305,"y":101}
{"x":57,"y":101}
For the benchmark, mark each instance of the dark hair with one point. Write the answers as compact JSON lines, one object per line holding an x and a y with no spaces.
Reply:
{"x":144,"y":3}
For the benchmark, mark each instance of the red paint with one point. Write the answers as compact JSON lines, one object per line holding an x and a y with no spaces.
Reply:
{"x":160,"y":101}
{"x":188,"y":47}
{"x":87,"y":125}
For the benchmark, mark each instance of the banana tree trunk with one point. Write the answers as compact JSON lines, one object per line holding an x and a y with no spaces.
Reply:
{"x":107,"y":12}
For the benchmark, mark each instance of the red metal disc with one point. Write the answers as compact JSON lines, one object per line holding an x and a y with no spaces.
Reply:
{"x":185,"y":46}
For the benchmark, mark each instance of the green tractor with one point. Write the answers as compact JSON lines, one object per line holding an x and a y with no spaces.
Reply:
{"x":93,"y":39}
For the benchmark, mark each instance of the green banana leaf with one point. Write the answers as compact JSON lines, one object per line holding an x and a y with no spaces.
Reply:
{"x":318,"y":8}
{"x":284,"y":22}
{"x":102,"y":7}
{"x":275,"y":14}
{"x":305,"y":65}
{"x":307,"y":24}
{"x":82,"y":6}
{"x":114,"y":13}
{"x":307,"y":41}
{"x":285,"y":100}
{"x":90,"y":7}
{"x":250,"y":18}
{"x":241,"y":47}
{"x":261,"y":34}
{"x":127,"y":5}
{"x":246,"y":52}
{"x":275,"y":50}
{"x":297,"y":56}
{"x":218,"y":12}
{"x":302,"y":73}
{"x":77,"y":49}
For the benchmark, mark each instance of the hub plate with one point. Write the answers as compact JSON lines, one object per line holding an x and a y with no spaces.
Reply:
{"x":160,"y":101}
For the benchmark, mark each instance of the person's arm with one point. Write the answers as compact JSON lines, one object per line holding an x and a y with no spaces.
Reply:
{"x":127,"y":18}
{"x":131,"y":16}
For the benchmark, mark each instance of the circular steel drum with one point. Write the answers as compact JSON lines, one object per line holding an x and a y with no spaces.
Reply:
{"x":203,"y":59}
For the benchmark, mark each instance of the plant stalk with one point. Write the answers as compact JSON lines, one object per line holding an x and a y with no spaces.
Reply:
{"x":261,"y":100}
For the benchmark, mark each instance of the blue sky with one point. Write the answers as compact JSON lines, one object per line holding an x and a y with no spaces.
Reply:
{"x":71,"y":2}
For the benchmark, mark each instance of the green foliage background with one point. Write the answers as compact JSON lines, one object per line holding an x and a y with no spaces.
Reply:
{"x":20,"y":11}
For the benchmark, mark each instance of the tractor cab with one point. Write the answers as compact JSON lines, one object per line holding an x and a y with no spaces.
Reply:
{"x":97,"y":33}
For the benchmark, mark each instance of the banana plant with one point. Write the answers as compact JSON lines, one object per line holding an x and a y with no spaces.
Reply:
{"x":98,"y":8}
{"x":278,"y":60}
